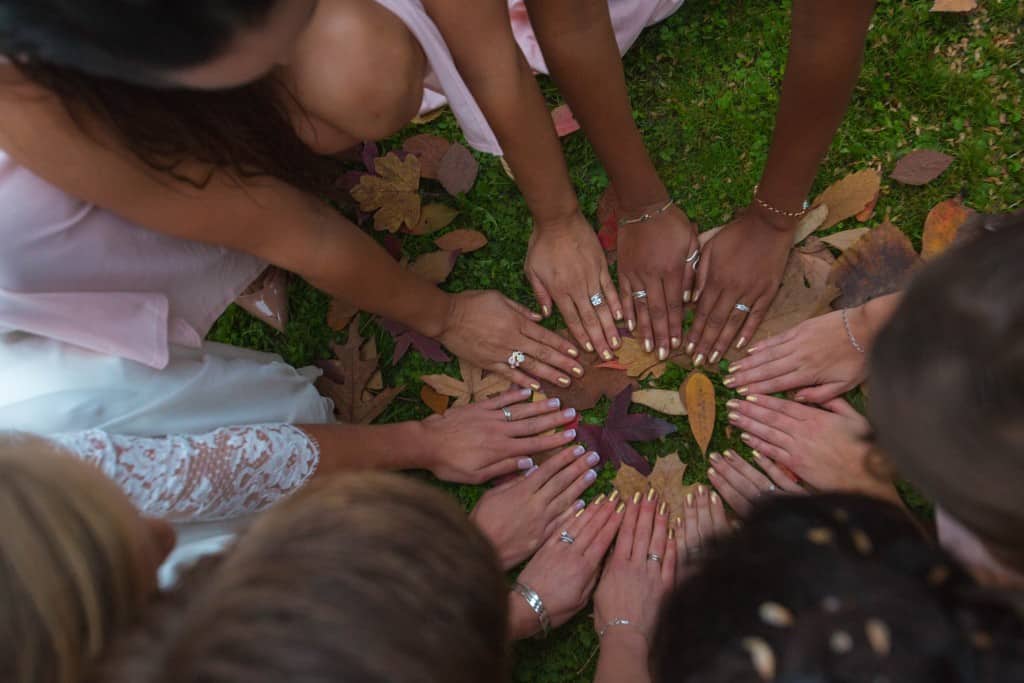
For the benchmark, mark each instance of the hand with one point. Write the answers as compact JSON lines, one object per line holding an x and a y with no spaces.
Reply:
{"x":742,"y":264}
{"x":825,"y":448}
{"x":652,"y":258}
{"x":566,"y":264}
{"x":564,"y":574}
{"x":816,"y":357}
{"x":704,"y":521}
{"x":633,"y":585}
{"x":742,"y":485}
{"x":518,"y":515}
{"x":475,"y":443}
{"x":485,"y":327}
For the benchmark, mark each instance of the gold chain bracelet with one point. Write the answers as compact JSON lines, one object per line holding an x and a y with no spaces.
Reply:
{"x":779,"y":212}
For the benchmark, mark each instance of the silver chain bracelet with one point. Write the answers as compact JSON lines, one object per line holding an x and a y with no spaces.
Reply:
{"x":849,"y":332}
{"x":537,"y":605}
{"x":610,"y":624}
{"x":650,"y":215}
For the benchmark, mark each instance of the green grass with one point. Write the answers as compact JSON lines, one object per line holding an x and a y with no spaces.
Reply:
{"x":704,"y":88}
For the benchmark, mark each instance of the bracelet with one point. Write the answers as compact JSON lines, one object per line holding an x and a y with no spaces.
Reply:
{"x":537,"y":605}
{"x":610,"y":624}
{"x":649,"y":215}
{"x":849,"y":332}
{"x":779,"y":212}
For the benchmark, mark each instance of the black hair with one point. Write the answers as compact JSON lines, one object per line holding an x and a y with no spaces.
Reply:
{"x":834,"y":588}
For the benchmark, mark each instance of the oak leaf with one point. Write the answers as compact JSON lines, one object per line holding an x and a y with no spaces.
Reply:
{"x":434,"y":217}
{"x":666,"y":479}
{"x":598,"y":381}
{"x":405,"y":338}
{"x":347,"y":380}
{"x":474,"y":385}
{"x":565,"y":122}
{"x":920,"y":167}
{"x":879,"y":263}
{"x":941,"y":226}
{"x":465,"y":241}
{"x":435,"y":266}
{"x":955,"y":6}
{"x":629,"y":481}
{"x":849,"y":196}
{"x":393,"y":193}
{"x":437,"y":402}
{"x":458,"y":170}
{"x":699,"y":398}
{"x":430,"y":149}
{"x":663,"y":400}
{"x":612,"y":439}
{"x":845,"y":239}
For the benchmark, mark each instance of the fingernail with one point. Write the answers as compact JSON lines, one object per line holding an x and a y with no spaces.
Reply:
{"x":689,"y":500}
{"x":618,"y":510}
{"x":732,"y":403}
{"x":714,"y":498}
{"x":651,"y":494}
{"x":590,"y":476}
{"x":618,"y":315}
{"x":733,"y":416}
{"x":663,"y":508}
{"x":735,"y":367}
{"x":745,"y":438}
{"x":752,"y":398}
{"x":599,"y":499}
{"x":671,"y":534}
{"x":712,"y":472}
{"x":753,"y":349}
{"x":631,"y":325}
{"x":648,"y":345}
{"x":743,"y":391}
{"x":571,"y":413}
{"x":546,"y":310}
{"x":589,"y":347}
{"x":531,"y":471}
{"x":607,"y":355}
{"x":686,"y":297}
{"x":536,"y":317}
{"x":700,"y":489}
{"x":569,"y":434}
{"x":800,"y":398}
{"x":756,"y":454}
{"x":554,"y":403}
{"x":615,"y":342}
{"x":715,"y":457}
{"x":675,"y":342}
{"x":714,"y":357}
{"x":689,"y":348}
{"x":741,"y":343}
{"x":699,"y":360}
{"x":578,"y":451}
{"x":564,"y":381}
{"x":581,"y":511}
{"x":593,"y":459}
{"x":525,"y":393}
{"x":525,"y":463}
{"x":578,"y":371}
{"x":614,"y":497}
{"x":573,"y":352}
{"x":662,"y":353}
{"x":729,"y":381}
{"x":535,"y":386}
{"x":696,"y":297}
{"x":728,"y":454}
{"x":679,"y":521}
{"x":636,"y":497}
{"x":579,"y":504}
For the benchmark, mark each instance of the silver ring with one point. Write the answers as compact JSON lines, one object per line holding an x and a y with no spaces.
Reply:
{"x":640,"y":294}
{"x":516,"y":359}
{"x":654,"y":557}
{"x":566,"y":537}
{"x":596,"y":300}
{"x":693,"y":258}
{"x":507,"y":413}
{"x":743,"y":308}
{"x":771,"y":487}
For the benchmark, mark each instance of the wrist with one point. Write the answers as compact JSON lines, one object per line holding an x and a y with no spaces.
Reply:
{"x":416,"y":446}
{"x":777,"y":222}
{"x":625,"y":639}
{"x":522,"y":621}
{"x":555,"y":220}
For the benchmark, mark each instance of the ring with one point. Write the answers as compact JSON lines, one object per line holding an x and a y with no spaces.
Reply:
{"x":566,"y":537}
{"x":654,"y":557}
{"x":771,"y":487}
{"x":507,"y":413}
{"x":743,"y":307}
{"x":693,"y":258}
{"x":516,"y":359}
{"x":640,"y":294}
{"x":596,"y":300}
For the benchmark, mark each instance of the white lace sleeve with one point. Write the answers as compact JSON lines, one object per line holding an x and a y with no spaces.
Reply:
{"x":219,"y":475}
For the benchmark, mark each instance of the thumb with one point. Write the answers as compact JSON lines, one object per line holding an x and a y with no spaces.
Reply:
{"x":839,"y":406}
{"x":821,"y":394}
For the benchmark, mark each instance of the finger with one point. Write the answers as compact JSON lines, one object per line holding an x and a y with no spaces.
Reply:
{"x":673,"y":286}
{"x":731,"y":469}
{"x":657,"y":308}
{"x":541,"y":294}
{"x":775,"y":473}
{"x":555,"y":465}
{"x":540,"y":424}
{"x":668,"y":565}
{"x":592,"y":323}
{"x":761,"y":405}
{"x":598,"y":546}
{"x":716,"y":321}
{"x":507,"y":466}
{"x":510,"y":398}
{"x":767,"y":449}
{"x":515,"y":376}
{"x":644,"y":330}
{"x":624,"y":544}
{"x":523,"y":410}
{"x":576,"y":488}
{"x":543,"y":345}
{"x":719,"y":520}
{"x":705,"y":306}
{"x":574,"y":322}
{"x":644,"y":526}
{"x":703,"y":506}
{"x":691,"y":537}
{"x":562,"y":481}
{"x":523,"y":446}
{"x":758,"y":480}
{"x":562,"y":521}
{"x":821,"y":394}
{"x":534,"y":367}
{"x":611,"y":295}
{"x":736,"y":500}
{"x":606,"y":314}
{"x":626,"y":299}
{"x":744,"y":375}
{"x":753,"y":321}
{"x":842,"y":407}
{"x":689,"y":275}
{"x":761,"y":430}
{"x":585,"y":527}
{"x":659,"y":534}
{"x":736,"y":318}
{"x":771,"y":342}
{"x":702,"y":274}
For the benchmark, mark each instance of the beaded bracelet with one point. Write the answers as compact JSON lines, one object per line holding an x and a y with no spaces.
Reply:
{"x":537,"y":605}
{"x":779,"y":212}
{"x":849,"y":332}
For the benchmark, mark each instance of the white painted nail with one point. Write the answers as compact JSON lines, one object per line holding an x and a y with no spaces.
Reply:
{"x":578,"y":451}
{"x":590,"y":476}
{"x":525,"y":463}
{"x":554,"y":403}
{"x":569,"y":434}
{"x":571,"y":413}
{"x":593,"y":459}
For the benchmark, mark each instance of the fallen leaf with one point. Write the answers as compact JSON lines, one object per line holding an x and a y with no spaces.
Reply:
{"x":629,"y":481}
{"x":435,"y":266}
{"x":430,"y":149}
{"x":474,"y":385}
{"x":662,"y":400}
{"x":699,"y":398}
{"x":879,"y":263}
{"x":941,"y":226}
{"x":434,"y":217}
{"x":845,"y":239}
{"x":849,"y":196}
{"x":869,"y":210}
{"x":639,"y":363}
{"x":437,"y":402}
{"x":406,"y":338}
{"x":612,"y":439}
{"x":428,"y":117}
{"x":340,"y":314}
{"x":920,"y":167}
{"x":667,"y":480}
{"x":347,"y":380}
{"x":814,"y":219}
{"x":393,"y":193}
{"x":465,"y":241}
{"x":267,"y":298}
{"x":565,"y":122}
{"x":458,"y":170}
{"x":954,"y":5}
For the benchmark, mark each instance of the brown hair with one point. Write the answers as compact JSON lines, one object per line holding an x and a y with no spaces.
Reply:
{"x":70,"y":566}
{"x":367,"y":577}
{"x":947,"y":388}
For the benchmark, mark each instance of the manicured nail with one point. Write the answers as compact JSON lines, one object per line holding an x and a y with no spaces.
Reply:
{"x":593,"y":459}
{"x":741,"y":343}
{"x":715,"y":457}
{"x":714,"y":357}
{"x":526,"y":393}
{"x":648,"y":345}
{"x":735,"y":367}
{"x":636,"y":498}
{"x":800,"y":398}
{"x":714,"y":498}
{"x":733,"y":416}
{"x":618,"y":510}
{"x":651,"y":494}
{"x":700,"y":489}
{"x":569,"y":434}
{"x":578,"y":451}
{"x":582,"y":510}
{"x":599,"y":499}
{"x":699,"y":360}
{"x":745,"y":438}
{"x":689,"y":500}
{"x":756,"y":454}
{"x":631,"y":325}
{"x":571,"y":413}
{"x":671,"y":534}
{"x":696,"y":297}
{"x":589,"y":347}
{"x":525,"y":463}
{"x":663,"y":508}
{"x":531,"y":471}
{"x":743,"y":391}
{"x":578,"y":371}
{"x":573,"y":352}
{"x":753,"y":349}
{"x":689,"y":348}
{"x":675,"y":342}
{"x":618,"y":315}
{"x":590,"y":476}
{"x":614,"y":497}
{"x":616,"y":342}
{"x":662,"y":353}
{"x":554,"y":403}
{"x":564,"y":381}
{"x":753,"y":399}
{"x":732,"y":403}
{"x":607,"y":355}
{"x":729,"y":381}
{"x":535,"y":386}
{"x":686,"y":296}
{"x":546,"y":310}
{"x":728,"y":454}
{"x":679,"y":521}
{"x":579,"y":504}
{"x":712,"y":472}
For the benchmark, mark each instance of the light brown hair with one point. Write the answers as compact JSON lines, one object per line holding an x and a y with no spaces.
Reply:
{"x":70,"y":567}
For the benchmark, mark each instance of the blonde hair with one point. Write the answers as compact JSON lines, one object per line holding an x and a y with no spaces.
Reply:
{"x":70,"y":569}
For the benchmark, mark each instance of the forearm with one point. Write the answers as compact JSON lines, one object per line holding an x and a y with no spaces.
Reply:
{"x":344,"y":447}
{"x":623,"y":658}
{"x":579,"y":46}
{"x":868,"y":320}
{"x":825,"y":57}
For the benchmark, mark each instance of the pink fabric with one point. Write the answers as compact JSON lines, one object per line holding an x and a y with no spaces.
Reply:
{"x":445,"y":85}
{"x":76,"y":273}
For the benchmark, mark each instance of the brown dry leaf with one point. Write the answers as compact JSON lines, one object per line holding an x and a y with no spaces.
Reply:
{"x":849,"y":196}
{"x":955,"y":6}
{"x":641,"y":364}
{"x":869,"y":210}
{"x":430,"y":149}
{"x":667,"y":479}
{"x":699,"y":398}
{"x":347,"y":379}
{"x":597,"y":382}
{"x":434,"y":217}
{"x":941,"y":226}
{"x":436,"y":401}
{"x":879,"y":263}
{"x":393,"y":193}
{"x":340,"y":314}
{"x":458,"y":170}
{"x":435,"y":266}
{"x":662,"y":400}
{"x":428,"y":117}
{"x":845,"y":239}
{"x":474,"y":386}
{"x":810,"y":223}
{"x":920,"y":167}
{"x":465,"y":241}
{"x":629,"y":481}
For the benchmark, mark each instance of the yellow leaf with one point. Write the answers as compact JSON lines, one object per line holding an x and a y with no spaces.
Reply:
{"x":393,"y":193}
{"x":699,"y":399}
{"x":628,"y":482}
{"x":849,"y":196}
{"x":435,"y":400}
{"x":667,"y":480}
{"x":434,"y":217}
{"x":941,"y":226}
{"x":954,"y":5}
{"x":814,"y":219}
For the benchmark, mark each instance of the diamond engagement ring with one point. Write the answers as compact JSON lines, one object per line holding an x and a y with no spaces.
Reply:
{"x":596,"y":300}
{"x":640,"y":294}
{"x":743,"y":308}
{"x":654,"y":557}
{"x":516,"y":359}
{"x":566,"y":537}
{"x":507,"y":413}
